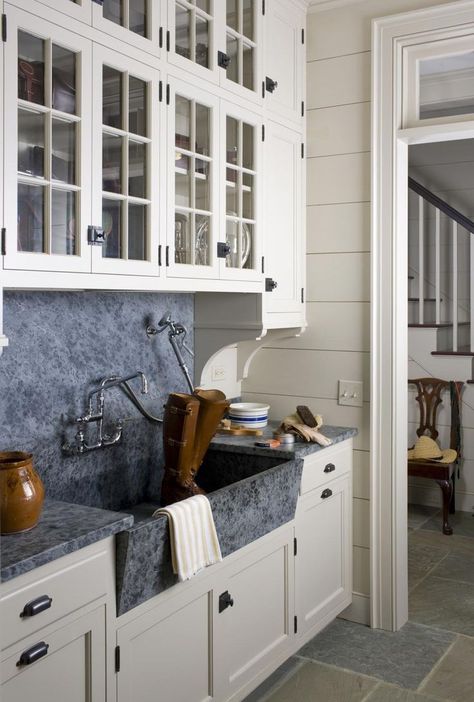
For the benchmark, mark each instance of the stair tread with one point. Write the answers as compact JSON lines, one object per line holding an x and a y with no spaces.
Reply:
{"x":462,"y":351}
{"x":425,"y":299}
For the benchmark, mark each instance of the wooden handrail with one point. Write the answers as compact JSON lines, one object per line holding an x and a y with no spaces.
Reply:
{"x":443,"y":206}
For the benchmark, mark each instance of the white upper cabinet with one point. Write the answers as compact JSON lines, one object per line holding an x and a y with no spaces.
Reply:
{"x":284,"y":61}
{"x":77,"y":9}
{"x":47,"y":153}
{"x":283,"y":223}
{"x":193,"y":186}
{"x":240,"y":48}
{"x":136,"y":22}
{"x":240,"y":180}
{"x":192,"y":36}
{"x":126,"y":164}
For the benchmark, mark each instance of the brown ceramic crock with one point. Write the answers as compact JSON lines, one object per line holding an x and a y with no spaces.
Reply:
{"x":21,"y":492}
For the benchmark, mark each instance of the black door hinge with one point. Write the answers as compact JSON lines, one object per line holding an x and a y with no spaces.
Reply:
{"x":117,"y":659}
{"x":167,"y":256}
{"x":263,"y":132}
{"x":295,"y":624}
{"x":263,"y":7}
{"x":302,"y":108}
{"x":302,"y":36}
{"x":167,"y":93}
{"x":302,"y":294}
{"x":160,"y":38}
{"x":160,"y":91}
{"x":295,"y":546}
{"x":159,"y":255}
{"x":302,"y":150}
{"x":263,"y":88}
{"x":3,"y":243}
{"x":168,"y":40}
{"x":263,"y":264}
{"x":4,"y":27}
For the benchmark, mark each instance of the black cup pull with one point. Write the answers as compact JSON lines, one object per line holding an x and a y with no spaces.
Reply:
{"x":326,"y":493}
{"x":36,"y":606}
{"x":33,"y":654}
{"x":225,"y":600}
{"x":329,"y":468}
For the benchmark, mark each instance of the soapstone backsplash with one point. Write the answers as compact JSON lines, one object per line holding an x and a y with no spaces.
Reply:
{"x":61,"y":345}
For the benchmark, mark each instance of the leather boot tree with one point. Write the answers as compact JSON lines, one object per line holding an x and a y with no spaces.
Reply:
{"x":179,"y":426}
{"x":189,"y":423}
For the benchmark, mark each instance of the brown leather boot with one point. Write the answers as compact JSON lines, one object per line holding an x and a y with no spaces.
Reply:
{"x":179,"y":427}
{"x":213,"y":406}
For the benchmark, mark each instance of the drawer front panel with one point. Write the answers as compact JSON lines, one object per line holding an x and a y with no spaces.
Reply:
{"x":34,"y":606}
{"x":326,"y":465}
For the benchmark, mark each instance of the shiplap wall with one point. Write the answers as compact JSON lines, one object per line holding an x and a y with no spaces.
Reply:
{"x":337,"y":342}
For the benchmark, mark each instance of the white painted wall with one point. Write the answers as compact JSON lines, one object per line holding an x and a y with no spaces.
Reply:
{"x":336,"y":344}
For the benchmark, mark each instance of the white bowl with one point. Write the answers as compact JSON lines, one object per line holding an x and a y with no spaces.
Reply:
{"x":251,"y":415}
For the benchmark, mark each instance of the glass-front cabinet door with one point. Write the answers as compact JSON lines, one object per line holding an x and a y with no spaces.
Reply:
{"x":192,"y":182}
{"x":241,"y":42}
{"x":135,"y":22}
{"x":76,"y":9}
{"x":128,"y":197}
{"x":47,"y":149}
{"x":191,"y":41}
{"x":240,"y":174}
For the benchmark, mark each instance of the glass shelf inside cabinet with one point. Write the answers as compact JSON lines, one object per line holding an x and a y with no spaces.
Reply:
{"x":48,"y":123}
{"x":193,"y":173}
{"x":240,"y":192}
{"x":125,"y":166}
{"x":193,"y":23}
{"x":240,"y":41}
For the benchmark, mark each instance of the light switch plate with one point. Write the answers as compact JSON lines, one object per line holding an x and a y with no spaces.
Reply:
{"x":350,"y":393}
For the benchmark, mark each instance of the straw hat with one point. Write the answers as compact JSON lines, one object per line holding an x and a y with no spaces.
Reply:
{"x":426,"y":449}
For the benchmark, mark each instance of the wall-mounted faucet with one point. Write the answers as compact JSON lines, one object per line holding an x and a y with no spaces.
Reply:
{"x":96,"y":416}
{"x":176,"y":335}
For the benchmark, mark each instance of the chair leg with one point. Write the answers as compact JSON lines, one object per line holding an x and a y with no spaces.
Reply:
{"x":447,"y":490}
{"x":452,"y":504}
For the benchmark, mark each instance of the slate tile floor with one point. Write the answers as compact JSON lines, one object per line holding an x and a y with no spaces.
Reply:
{"x":430,"y":660}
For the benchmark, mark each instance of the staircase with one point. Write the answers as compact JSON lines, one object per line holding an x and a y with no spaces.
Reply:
{"x":441,"y":296}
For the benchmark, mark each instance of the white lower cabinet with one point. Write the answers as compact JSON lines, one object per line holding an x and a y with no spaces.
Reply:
{"x":323,"y":565}
{"x":66,"y":664}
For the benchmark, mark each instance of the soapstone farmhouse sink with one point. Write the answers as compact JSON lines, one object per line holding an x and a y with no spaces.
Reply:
{"x":250,"y":495}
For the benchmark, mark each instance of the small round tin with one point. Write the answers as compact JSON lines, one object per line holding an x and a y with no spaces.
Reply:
{"x":284,"y":438}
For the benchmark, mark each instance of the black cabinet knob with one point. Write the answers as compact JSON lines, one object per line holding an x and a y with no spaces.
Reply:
{"x":270,"y":84}
{"x":33,"y":654}
{"x":326,"y":493}
{"x":223,"y":61}
{"x":223,"y":249}
{"x":225,"y":600}
{"x":36,"y":606}
{"x":330,"y":468}
{"x":270,"y":284}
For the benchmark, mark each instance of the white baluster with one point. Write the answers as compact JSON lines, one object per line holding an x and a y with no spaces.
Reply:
{"x":421,"y":259}
{"x":455,"y":286}
{"x":438,"y":266}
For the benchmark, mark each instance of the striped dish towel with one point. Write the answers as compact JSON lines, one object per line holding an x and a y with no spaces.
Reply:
{"x":193,"y":536}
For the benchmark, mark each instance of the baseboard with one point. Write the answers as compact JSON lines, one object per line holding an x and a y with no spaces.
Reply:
{"x":431,"y":497}
{"x":359,"y":610}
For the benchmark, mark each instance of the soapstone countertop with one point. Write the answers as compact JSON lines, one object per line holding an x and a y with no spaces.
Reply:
{"x":300,"y":449}
{"x":62,"y":529}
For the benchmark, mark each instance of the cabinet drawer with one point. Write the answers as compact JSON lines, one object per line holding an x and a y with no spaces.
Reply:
{"x":53,"y":596}
{"x":326,"y":465}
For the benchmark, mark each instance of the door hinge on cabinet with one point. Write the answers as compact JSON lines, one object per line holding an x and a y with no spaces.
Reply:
{"x":302,"y":108}
{"x":167,"y":93}
{"x":3,"y":243}
{"x":160,"y":38}
{"x":168,"y":40}
{"x":263,"y":264}
{"x":160,"y":91}
{"x":159,"y":255}
{"x":167,"y":256}
{"x":302,"y":36}
{"x":295,"y":624}
{"x":263,"y":7}
{"x":302,"y":294}
{"x":117,"y":659}
{"x":4,"y":27}
{"x":302,"y":150}
{"x":263,"y":132}
{"x":295,"y":546}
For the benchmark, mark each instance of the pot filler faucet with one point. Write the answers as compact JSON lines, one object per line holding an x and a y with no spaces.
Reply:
{"x":176,"y":335}
{"x":96,"y":415}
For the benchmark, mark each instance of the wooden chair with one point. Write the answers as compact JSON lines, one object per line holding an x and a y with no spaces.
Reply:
{"x":429,"y":400}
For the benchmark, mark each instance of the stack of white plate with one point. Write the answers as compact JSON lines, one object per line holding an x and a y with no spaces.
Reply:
{"x":250,"y":415}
